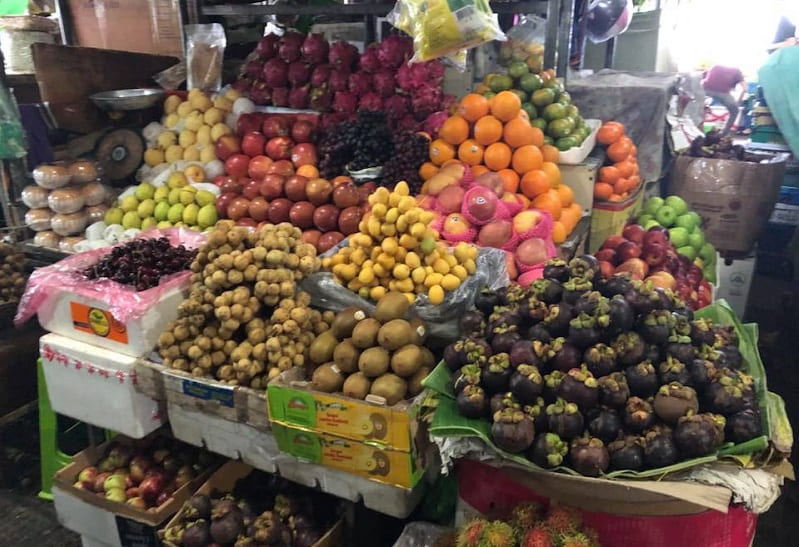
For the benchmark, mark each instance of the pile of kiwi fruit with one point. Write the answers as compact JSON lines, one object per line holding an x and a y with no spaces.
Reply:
{"x":382,"y":355}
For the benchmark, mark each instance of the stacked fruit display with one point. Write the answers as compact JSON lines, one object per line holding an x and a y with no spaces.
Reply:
{"x":648,"y":255}
{"x":144,"y":473}
{"x":12,"y":273}
{"x":396,"y":250}
{"x":601,"y":374}
{"x":382,"y":355}
{"x":684,"y":231}
{"x":299,"y":71}
{"x":262,"y":509}
{"x":618,"y":178}
{"x":528,"y":525}
{"x":244,"y":321}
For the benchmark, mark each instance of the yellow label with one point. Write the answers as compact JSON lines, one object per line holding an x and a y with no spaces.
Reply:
{"x":98,"y":322}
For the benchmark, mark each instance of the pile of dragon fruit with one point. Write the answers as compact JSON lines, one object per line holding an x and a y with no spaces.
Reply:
{"x":304,"y":71}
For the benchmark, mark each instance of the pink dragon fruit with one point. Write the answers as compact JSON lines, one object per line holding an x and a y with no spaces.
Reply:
{"x":300,"y":97}
{"x":314,"y":49}
{"x":426,"y":100}
{"x":260,"y":95}
{"x":339,"y":80}
{"x":413,"y":76}
{"x":391,"y":51}
{"x":371,"y":101}
{"x":253,"y":68}
{"x":299,"y":73}
{"x":408,"y":123}
{"x":243,"y":84}
{"x":288,"y":48}
{"x":267,"y":46}
{"x":321,"y":98}
{"x":396,"y":107}
{"x":343,"y":55}
{"x":275,"y":73}
{"x":345,"y":102}
{"x":369,"y":61}
{"x":360,"y":83}
{"x":435,"y":71}
{"x":434,"y":121}
{"x":383,"y":83}
{"x":280,"y":96}
{"x":320,"y":75}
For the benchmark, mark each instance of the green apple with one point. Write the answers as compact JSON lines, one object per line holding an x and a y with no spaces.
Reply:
{"x":129,"y":203}
{"x":643,"y":219}
{"x":114,"y":215}
{"x":652,"y":205}
{"x":145,"y":190}
{"x":131,"y":219}
{"x":651,"y":224}
{"x":696,"y":239}
{"x":665,"y":216}
{"x":687,"y":251}
{"x":190,"y":214}
{"x":161,"y":193}
{"x":204,"y":197}
{"x":148,"y":223}
{"x":708,"y":253}
{"x":146,"y":208}
{"x":678,"y":204}
{"x":175,"y":213}
{"x":679,"y":236}
{"x":163,"y":224}
{"x":709,"y":273}
{"x":174,"y":196}
{"x":207,"y":216}
{"x":161,"y":211}
{"x":687,"y":221}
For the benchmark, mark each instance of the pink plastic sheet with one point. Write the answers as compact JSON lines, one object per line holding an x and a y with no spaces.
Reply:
{"x":124,"y":302}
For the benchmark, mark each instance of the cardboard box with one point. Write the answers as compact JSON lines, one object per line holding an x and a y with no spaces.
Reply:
{"x":609,"y":218}
{"x":111,"y":523}
{"x":293,"y":403}
{"x":735,"y":280}
{"x":373,"y":462}
{"x":581,"y":178}
{"x":224,"y":480}
{"x":97,"y":386}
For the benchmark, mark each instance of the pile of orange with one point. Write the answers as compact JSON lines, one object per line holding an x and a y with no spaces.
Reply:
{"x":495,"y":135}
{"x":618,"y":178}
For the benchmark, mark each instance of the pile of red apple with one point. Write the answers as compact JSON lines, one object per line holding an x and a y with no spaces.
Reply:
{"x":648,"y":255}
{"x":144,"y":473}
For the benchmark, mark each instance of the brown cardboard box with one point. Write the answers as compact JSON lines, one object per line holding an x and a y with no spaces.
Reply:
{"x":142,"y":26}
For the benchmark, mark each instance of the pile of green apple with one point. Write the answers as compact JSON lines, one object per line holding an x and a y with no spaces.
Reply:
{"x":685,"y":230}
{"x":177,"y":203}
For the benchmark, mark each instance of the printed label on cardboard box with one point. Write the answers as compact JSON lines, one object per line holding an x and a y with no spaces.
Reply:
{"x":136,"y":534}
{"x":98,"y":322}
{"x":221,"y":394}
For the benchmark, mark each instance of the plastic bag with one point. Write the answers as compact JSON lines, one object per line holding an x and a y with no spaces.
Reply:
{"x":445,"y":27}
{"x":525,"y":40}
{"x":205,"y":48}
{"x":12,"y":136}
{"x":420,"y":534}
{"x":125,"y":302}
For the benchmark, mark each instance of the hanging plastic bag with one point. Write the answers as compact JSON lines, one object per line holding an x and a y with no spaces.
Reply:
{"x":205,"y":48}
{"x":12,"y":137}
{"x":525,"y":42}
{"x":445,"y":27}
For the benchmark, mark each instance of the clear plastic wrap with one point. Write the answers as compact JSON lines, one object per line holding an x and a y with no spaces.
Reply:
{"x":125,"y":303}
{"x":526,"y":40}
{"x":420,"y":534}
{"x":205,"y":47}
{"x":445,"y":28}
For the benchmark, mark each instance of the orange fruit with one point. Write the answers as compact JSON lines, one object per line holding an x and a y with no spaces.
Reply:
{"x":497,"y":156}
{"x":616,"y":197}
{"x":619,"y":151}
{"x":341,"y":179}
{"x":510,"y":180}
{"x":610,"y":133}
{"x":621,"y":186}
{"x":471,"y":152}
{"x":524,"y":200}
{"x":524,"y":115}
{"x":625,"y":169}
{"x":566,"y":195}
{"x":308,"y":171}
{"x":550,"y":153}
{"x":609,"y":174}
{"x":534,"y":183}
{"x":553,"y":171}
{"x":570,"y":216}
{"x":473,"y":107}
{"x":506,"y":106}
{"x":635,"y":180}
{"x":454,"y":130}
{"x":549,"y":201}
{"x":441,"y":151}
{"x":427,"y":170}
{"x":527,"y":158}
{"x":478,"y":170}
{"x":518,"y":132}
{"x":603,"y":190}
{"x":487,"y":130}
{"x":559,"y":232}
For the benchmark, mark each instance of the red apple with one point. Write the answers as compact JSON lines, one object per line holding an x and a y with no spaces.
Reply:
{"x":628,"y":250}
{"x":227,"y":183}
{"x":279,"y":210}
{"x":634,"y":233}
{"x":328,"y":241}
{"x":365,"y":190}
{"x":275,"y":126}
{"x":481,"y":203}
{"x":636,"y":267}
{"x":304,"y":154}
{"x":318,"y":191}
{"x":226,"y":146}
{"x":258,"y":209}
{"x":492,"y":181}
{"x":302,"y":131}
{"x":295,"y":188}
{"x":495,"y":233}
{"x":279,"y":148}
{"x":607,"y":255}
{"x":612,"y":242}
{"x":654,"y":254}
{"x":311,"y":236}
{"x":346,"y":195}
{"x":249,"y":122}
{"x":253,"y":143}
{"x":223,"y":201}
{"x":150,"y":488}
{"x":237,"y":164}
{"x":281,"y":167}
{"x":656,"y":235}
{"x":272,"y":186}
{"x":238,"y":208}
{"x":259,"y":167}
{"x":251,"y":189}
{"x":348,"y":220}
{"x":301,"y":214}
{"x":606,"y":269}
{"x":325,"y":218}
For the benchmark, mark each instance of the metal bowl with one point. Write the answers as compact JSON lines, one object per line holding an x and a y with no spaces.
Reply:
{"x":127,"y":99}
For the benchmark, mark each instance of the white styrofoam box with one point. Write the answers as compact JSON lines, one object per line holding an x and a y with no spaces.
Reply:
{"x":734,"y":281}
{"x":235,"y":440}
{"x":576,"y":155}
{"x":97,"y":386}
{"x":95,"y":524}
{"x":62,"y":312}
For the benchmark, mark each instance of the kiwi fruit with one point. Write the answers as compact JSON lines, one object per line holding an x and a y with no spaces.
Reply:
{"x":393,"y":305}
{"x":395,"y":334}
{"x":406,"y":360}
{"x":415,"y":382}
{"x":346,"y":320}
{"x":419,"y":331}
{"x":321,"y":349}
{"x":364,"y":335}
{"x":327,"y":378}
{"x":346,"y":356}
{"x":390,"y":387}
{"x":373,"y":362}
{"x":357,"y":386}
{"x":428,"y":359}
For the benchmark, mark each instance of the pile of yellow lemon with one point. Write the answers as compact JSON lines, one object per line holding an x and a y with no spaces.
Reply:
{"x":396,"y":250}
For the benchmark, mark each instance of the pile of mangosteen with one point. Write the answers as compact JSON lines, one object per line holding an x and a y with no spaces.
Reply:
{"x":600,"y":374}
{"x":262,"y":510}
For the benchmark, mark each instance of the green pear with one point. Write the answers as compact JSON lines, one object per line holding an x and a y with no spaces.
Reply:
{"x":207,"y":216}
{"x":175,"y":213}
{"x":148,"y":223}
{"x":174,"y":196}
{"x":161,"y":211}
{"x":163,"y":224}
{"x":145,"y":190}
{"x":161,"y":193}
{"x":204,"y":197}
{"x":146,"y":208}
{"x":187,"y":194}
{"x":129,"y":203}
{"x":114,"y":216}
{"x":190,"y":214}
{"x":131,"y":220}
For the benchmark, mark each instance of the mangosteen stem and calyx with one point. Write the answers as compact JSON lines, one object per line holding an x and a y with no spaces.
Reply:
{"x":551,"y":449}
{"x":472,"y":401}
